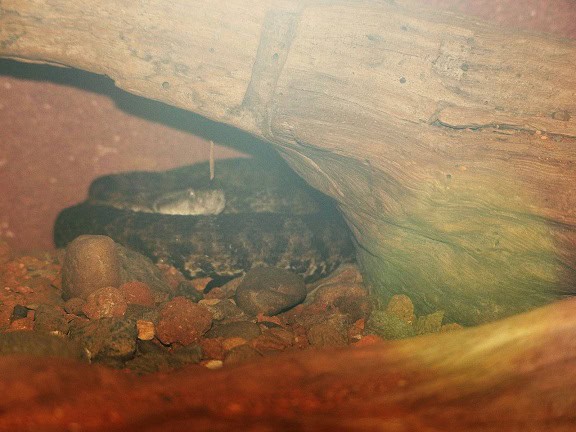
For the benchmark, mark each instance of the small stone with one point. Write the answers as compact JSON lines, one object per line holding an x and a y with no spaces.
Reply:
{"x":188,"y":289}
{"x":137,"y":267}
{"x":222,"y":309}
{"x":213,"y":364}
{"x":327,"y":334}
{"x":187,"y":354}
{"x":231,"y":343}
{"x":145,"y":330}
{"x":275,"y":339}
{"x":106,"y":338}
{"x":106,"y":302}
{"x":22,"y":324}
{"x":212,"y":348}
{"x":349,"y":299}
{"x":388,"y":326}
{"x":401,"y":307}
{"x":18,"y":312}
{"x":182,"y":321}
{"x":50,"y":319}
{"x":91,"y":262}
{"x":241,"y":354}
{"x":269,"y":290}
{"x":243,"y":329}
{"x":138,"y":293}
{"x":74,"y":305}
{"x":430,"y":323}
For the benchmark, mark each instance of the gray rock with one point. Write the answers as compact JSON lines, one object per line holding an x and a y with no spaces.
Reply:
{"x":106,"y":338}
{"x":91,"y":262}
{"x":49,"y":318}
{"x":136,"y":267}
{"x":270,"y":290}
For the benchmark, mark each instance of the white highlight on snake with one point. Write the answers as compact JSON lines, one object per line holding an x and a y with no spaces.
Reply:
{"x":191,"y":202}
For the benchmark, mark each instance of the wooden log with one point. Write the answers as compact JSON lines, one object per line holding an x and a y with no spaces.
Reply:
{"x":448,"y":143}
{"x":515,"y":374}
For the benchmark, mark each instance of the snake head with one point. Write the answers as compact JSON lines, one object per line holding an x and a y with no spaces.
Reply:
{"x":191,"y":202}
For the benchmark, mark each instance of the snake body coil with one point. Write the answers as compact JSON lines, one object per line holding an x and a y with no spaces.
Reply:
{"x":246,"y":216}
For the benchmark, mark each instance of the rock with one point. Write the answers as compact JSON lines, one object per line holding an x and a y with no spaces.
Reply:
{"x":145,"y":330}
{"x":91,"y":262}
{"x":329,"y":333}
{"x":138,"y":293}
{"x":430,"y":323}
{"x":269,"y":291}
{"x":106,"y":302}
{"x":349,"y":298}
{"x":18,"y":312}
{"x":240,"y":354}
{"x":233,"y":342}
{"x":74,"y":305}
{"x":188,"y":289}
{"x":182,"y":321}
{"x":388,"y":326}
{"x":212,"y":349}
{"x":401,"y":307}
{"x":136,"y":267}
{"x":39,"y":345}
{"x":274,"y":339}
{"x":242,"y":329}
{"x":106,"y":338}
{"x":223,"y":309}
{"x":50,"y":319}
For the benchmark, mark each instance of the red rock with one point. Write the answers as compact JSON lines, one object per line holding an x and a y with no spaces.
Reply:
{"x":212,"y":348}
{"x":137,"y":293}
{"x":182,"y":321}
{"x":23,"y":323}
{"x":368,"y":340}
{"x":106,"y":302}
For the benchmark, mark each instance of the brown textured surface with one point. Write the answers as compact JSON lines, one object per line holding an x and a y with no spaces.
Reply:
{"x":55,"y":139}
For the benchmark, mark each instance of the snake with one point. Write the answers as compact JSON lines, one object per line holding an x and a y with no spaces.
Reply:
{"x":252,"y":213}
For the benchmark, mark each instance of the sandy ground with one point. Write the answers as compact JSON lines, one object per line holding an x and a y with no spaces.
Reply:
{"x":60,"y":129}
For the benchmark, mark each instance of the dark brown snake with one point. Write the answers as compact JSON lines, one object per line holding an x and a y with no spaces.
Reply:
{"x":251,"y":214}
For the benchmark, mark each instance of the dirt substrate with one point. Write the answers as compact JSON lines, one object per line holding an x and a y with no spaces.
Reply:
{"x":132,"y":327}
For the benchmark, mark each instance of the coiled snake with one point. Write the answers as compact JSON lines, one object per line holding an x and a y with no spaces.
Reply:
{"x":252,"y":213}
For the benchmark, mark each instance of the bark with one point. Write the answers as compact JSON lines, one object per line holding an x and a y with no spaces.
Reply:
{"x":448,"y":144}
{"x":515,"y":374}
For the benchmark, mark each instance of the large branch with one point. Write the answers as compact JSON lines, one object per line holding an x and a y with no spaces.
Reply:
{"x":449,"y":144}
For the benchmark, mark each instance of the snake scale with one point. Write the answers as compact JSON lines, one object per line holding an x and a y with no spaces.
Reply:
{"x":252,"y":213}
